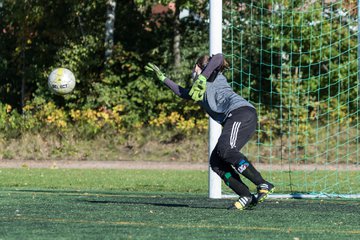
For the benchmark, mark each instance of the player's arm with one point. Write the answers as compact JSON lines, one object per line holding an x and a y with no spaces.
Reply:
{"x":177,"y":89}
{"x":210,"y":72}
{"x":214,"y":65}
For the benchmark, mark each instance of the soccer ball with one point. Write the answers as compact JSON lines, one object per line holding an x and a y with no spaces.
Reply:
{"x":61,"y":81}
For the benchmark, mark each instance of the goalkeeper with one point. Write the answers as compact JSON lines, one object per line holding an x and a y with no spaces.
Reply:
{"x":238,"y":118}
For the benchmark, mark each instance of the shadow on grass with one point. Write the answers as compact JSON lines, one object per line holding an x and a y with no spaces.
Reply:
{"x":184,"y":200}
{"x":178,"y":200}
{"x":167,"y":200}
{"x":137,"y":203}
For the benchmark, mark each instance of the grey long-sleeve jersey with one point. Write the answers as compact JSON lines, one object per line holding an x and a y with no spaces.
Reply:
{"x":219,"y":99}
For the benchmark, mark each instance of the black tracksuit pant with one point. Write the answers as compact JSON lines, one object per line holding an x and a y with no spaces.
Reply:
{"x":238,"y":128}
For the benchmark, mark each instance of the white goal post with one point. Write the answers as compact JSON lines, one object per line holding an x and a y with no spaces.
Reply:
{"x":214,"y":127}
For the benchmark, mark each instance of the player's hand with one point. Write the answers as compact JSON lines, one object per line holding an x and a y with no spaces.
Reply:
{"x":155,"y":70}
{"x":198,"y":88}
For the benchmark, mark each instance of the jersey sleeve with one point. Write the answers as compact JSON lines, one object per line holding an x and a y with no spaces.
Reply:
{"x":214,"y":65}
{"x":177,"y":89}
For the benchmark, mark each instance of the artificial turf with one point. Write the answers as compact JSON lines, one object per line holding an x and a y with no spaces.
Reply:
{"x":55,"y":204}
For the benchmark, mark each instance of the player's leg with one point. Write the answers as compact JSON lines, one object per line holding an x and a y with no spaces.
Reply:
{"x":233,"y":181}
{"x":237,"y":131}
{"x":245,"y":168}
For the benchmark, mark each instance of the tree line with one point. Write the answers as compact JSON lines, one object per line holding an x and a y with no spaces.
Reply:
{"x":107,"y":44}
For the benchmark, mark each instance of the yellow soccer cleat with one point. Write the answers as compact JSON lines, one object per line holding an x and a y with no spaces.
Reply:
{"x":244,"y":203}
{"x":263,"y":191}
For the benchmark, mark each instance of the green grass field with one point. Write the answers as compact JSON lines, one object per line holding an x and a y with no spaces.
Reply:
{"x":155,"y":204}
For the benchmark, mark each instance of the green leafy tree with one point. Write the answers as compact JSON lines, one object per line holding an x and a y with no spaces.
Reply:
{"x":175,"y":24}
{"x":40,"y":35}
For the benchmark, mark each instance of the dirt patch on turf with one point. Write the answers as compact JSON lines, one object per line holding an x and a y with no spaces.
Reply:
{"x":102,"y":164}
{"x":160,"y":165}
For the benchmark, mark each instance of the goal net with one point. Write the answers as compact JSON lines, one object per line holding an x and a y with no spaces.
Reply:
{"x":297,"y":62}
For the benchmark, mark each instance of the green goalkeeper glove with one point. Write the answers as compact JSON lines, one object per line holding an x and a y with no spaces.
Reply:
{"x":155,"y":70}
{"x":198,"y":88}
